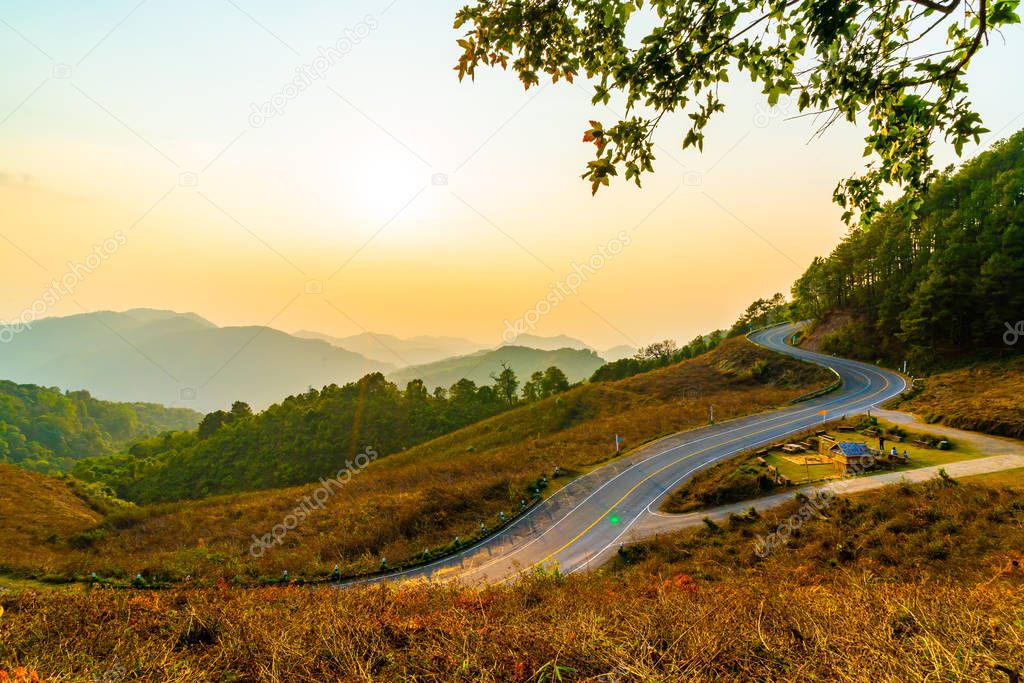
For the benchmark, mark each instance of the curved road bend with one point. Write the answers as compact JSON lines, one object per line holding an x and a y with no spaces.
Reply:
{"x":582,"y":523}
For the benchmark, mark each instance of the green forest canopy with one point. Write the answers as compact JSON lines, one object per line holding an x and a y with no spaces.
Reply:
{"x":45,"y":430}
{"x":305,"y":437}
{"x":946,"y":282}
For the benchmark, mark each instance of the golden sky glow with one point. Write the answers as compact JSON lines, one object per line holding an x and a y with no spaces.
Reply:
{"x":386,"y":196}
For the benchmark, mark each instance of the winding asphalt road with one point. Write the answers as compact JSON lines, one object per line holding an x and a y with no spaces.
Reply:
{"x":581,"y":525}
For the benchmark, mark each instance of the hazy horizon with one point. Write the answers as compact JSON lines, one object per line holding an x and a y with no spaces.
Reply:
{"x":302,"y":332}
{"x":390,"y":209}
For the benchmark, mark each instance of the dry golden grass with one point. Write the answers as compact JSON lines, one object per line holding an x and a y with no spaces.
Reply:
{"x":593,"y":629}
{"x":424,"y":496}
{"x":1014,"y":477}
{"x":34,"y":507}
{"x":941,"y":529}
{"x":694,"y":606}
{"x":984,"y":398}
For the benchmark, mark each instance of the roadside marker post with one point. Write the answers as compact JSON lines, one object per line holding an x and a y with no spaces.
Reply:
{"x":807,"y":467}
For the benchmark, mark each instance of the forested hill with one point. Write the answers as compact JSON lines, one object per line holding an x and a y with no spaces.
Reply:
{"x":303,"y":438}
{"x":45,"y":430}
{"x":947,"y":282}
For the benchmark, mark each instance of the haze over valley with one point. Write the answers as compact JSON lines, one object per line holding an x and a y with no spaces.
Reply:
{"x":183,"y":360}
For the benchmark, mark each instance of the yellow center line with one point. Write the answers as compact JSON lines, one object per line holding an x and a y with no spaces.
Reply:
{"x":676,"y":462}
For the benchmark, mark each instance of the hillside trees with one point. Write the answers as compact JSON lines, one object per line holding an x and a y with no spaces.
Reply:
{"x":531,"y":388}
{"x":543,"y":384}
{"x":506,"y":384}
{"x":948,"y":281}
{"x":761,"y":313}
{"x":304,"y":437}
{"x":45,"y":430}
{"x":657,"y":355}
{"x":658,"y":352}
{"x":553,"y":382}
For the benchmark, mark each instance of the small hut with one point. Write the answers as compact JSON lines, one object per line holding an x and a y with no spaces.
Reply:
{"x":852,"y":457}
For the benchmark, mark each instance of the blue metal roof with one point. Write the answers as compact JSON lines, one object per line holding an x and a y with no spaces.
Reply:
{"x":854,"y":448}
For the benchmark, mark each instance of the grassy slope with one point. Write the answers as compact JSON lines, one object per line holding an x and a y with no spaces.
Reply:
{"x":910,"y":584}
{"x":813,"y":338}
{"x":1014,"y":477}
{"x":33,"y":507}
{"x":985,"y":398}
{"x":982,"y":397}
{"x":424,"y":496}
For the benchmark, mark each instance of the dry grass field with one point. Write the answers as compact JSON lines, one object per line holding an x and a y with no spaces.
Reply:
{"x":34,"y":508}
{"x":906,"y":584}
{"x":420,"y":498}
{"x":984,"y":398}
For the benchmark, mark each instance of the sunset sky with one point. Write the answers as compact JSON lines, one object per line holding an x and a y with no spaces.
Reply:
{"x":386,"y":196}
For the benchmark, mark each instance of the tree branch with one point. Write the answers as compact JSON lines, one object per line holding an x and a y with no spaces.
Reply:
{"x":938,"y":6}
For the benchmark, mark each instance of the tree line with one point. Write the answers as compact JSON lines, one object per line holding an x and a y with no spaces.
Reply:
{"x":306,"y":436}
{"x":759,"y":313}
{"x":657,"y":355}
{"x":45,"y":430}
{"x":931,"y":288}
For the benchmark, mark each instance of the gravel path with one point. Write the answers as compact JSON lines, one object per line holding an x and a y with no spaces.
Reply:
{"x":993,"y":445}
